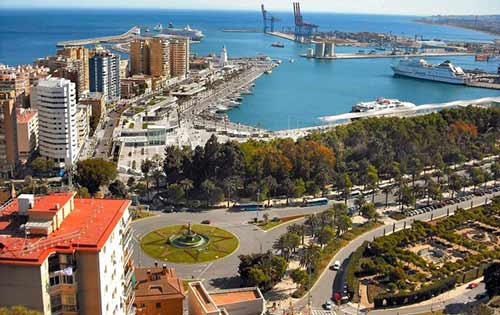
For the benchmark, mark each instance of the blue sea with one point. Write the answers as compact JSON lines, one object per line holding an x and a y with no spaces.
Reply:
{"x":296,"y":94}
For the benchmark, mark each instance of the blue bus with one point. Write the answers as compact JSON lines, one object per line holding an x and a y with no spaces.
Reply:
{"x":315,"y":202}
{"x":249,"y":206}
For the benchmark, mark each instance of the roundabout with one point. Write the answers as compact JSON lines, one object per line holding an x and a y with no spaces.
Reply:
{"x":189,"y":244}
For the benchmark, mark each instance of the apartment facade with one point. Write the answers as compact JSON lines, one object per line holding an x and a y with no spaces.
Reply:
{"x":8,"y":130}
{"x":67,"y":256}
{"x":62,"y":66}
{"x":81,"y":54}
{"x":96,"y":101}
{"x":27,"y":133}
{"x":55,"y":100}
{"x":150,"y":57}
{"x":179,"y":56}
{"x":104,"y":71}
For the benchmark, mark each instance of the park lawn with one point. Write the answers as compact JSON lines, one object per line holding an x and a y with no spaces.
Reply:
{"x":274,"y":224}
{"x":222,"y":243}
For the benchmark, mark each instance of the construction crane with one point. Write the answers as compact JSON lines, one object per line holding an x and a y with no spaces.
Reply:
{"x":268,"y":20}
{"x":303,"y":31}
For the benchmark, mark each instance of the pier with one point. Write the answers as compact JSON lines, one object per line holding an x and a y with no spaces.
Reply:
{"x":417,"y":110}
{"x":370,"y":56}
{"x":282,"y":35}
{"x":134,"y":31}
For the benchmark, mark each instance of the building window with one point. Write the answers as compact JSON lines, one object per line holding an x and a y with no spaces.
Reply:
{"x":158,"y":305}
{"x":54,"y":280}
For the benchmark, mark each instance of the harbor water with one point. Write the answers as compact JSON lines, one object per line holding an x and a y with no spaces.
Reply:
{"x":295,"y":94}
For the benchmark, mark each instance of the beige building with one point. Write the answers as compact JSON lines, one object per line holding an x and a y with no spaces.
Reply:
{"x":83,"y":124}
{"x":179,"y":56}
{"x":8,"y":139}
{"x":18,"y":82}
{"x":158,"y":291}
{"x":152,"y":56}
{"x":244,"y":301}
{"x":81,"y":54}
{"x":66,"y":256}
{"x":27,"y":133}
{"x":96,"y":101}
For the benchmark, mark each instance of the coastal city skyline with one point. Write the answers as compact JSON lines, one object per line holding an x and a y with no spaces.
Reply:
{"x":424,"y":7}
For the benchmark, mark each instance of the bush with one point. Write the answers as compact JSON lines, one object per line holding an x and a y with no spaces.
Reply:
{"x":351,"y":268}
{"x":425,"y":293}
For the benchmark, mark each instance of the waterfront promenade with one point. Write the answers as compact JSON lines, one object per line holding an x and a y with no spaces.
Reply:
{"x":375,"y":56}
{"x":113,"y":38}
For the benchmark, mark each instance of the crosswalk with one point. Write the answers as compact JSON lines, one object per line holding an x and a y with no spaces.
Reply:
{"x":322,"y":312}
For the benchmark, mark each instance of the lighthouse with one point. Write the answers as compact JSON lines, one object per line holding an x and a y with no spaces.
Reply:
{"x":223,"y":57}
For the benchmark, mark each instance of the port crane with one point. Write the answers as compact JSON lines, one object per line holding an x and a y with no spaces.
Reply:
{"x":303,"y":31}
{"x":269,"y":20}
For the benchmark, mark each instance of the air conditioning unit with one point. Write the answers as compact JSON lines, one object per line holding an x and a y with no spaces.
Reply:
{"x":25,"y":202}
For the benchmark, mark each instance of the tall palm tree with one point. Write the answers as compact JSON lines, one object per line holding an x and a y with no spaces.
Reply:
{"x":387,"y":190}
{"x":359,"y":202}
{"x":309,"y":257}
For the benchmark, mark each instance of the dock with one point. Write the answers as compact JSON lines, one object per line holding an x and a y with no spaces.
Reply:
{"x":370,"y":56}
{"x":484,"y":85}
{"x":96,"y":40}
{"x":282,"y":35}
{"x":417,"y":110}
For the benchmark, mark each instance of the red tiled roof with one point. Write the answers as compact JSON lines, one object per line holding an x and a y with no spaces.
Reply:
{"x":86,"y":228}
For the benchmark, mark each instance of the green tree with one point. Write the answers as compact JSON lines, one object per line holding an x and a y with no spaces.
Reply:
{"x":118,"y":189}
{"x":231,"y":185}
{"x":368,"y":211}
{"x":300,"y":188}
{"x":147,"y":168}
{"x":18,"y":310}
{"x":492,"y":279}
{"x":93,"y":173}
{"x":477,"y":176}
{"x":326,"y":235}
{"x":387,"y":190}
{"x":176,"y":193}
{"x":456,"y":183}
{"x":299,"y":277}
{"x":257,"y":277}
{"x":41,"y":165}
{"x":270,"y":184}
{"x":309,"y":257}
{"x":495,"y":171}
{"x":372,"y":180}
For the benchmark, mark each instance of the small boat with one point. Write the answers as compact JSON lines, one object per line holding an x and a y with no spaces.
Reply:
{"x":291,"y":60}
{"x":278,"y":45}
{"x":268,"y":71}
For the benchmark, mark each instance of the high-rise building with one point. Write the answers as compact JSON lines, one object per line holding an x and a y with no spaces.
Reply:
{"x":83,"y":124}
{"x":8,"y":133}
{"x":81,"y":54}
{"x":64,"y":255}
{"x":139,"y":56}
{"x":223,"y":57}
{"x":105,"y":75}
{"x":27,"y":133}
{"x":96,"y":101}
{"x":179,"y":56}
{"x":55,"y":100}
{"x":150,"y":57}
{"x":62,"y":66}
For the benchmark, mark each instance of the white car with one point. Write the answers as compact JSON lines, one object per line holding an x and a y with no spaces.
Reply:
{"x":336,"y":265}
{"x":327,"y":305}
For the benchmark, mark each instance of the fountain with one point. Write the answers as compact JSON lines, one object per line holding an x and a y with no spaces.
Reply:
{"x":188,"y":239}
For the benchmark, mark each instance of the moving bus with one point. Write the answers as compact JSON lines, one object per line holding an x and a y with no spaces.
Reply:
{"x":314,"y":202}
{"x":249,"y":206}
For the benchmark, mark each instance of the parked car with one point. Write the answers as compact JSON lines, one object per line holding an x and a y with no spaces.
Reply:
{"x":205,"y":222}
{"x":473,"y":285}
{"x":328,"y":305}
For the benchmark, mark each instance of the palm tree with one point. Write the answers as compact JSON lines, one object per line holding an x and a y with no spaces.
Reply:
{"x":299,"y":229}
{"x":231,"y":185}
{"x":281,"y":245}
{"x":312,"y":222}
{"x":309,"y":257}
{"x":359,"y":202}
{"x":387,"y":190}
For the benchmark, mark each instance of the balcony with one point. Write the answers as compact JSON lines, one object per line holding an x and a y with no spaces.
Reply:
{"x":127,"y":256}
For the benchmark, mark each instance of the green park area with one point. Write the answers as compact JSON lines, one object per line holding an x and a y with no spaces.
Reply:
{"x":270,"y":224}
{"x":189,"y":244}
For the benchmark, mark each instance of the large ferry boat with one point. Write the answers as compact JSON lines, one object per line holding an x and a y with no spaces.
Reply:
{"x":193,"y":34}
{"x":420,"y":69}
{"x":381,"y":104}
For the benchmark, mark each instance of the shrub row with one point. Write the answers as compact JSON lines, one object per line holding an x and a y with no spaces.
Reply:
{"x":350,"y":271}
{"x":423,"y":294}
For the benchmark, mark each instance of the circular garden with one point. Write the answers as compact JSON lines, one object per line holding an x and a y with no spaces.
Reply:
{"x":189,"y":243}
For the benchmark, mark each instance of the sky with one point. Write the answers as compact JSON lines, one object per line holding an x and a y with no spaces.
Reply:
{"x":408,"y":7}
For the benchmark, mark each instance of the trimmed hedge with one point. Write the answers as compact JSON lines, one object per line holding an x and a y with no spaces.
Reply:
{"x":351,"y":268}
{"x":423,"y":294}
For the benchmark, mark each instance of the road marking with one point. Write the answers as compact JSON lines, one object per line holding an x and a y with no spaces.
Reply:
{"x":204,"y":270}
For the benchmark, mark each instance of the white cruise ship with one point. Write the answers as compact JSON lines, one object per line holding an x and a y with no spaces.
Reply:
{"x":194,"y":35}
{"x":381,"y":104}
{"x":420,"y":69}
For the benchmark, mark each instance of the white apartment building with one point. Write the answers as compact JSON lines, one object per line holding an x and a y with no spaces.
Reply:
{"x":55,"y":100}
{"x":66,"y":256}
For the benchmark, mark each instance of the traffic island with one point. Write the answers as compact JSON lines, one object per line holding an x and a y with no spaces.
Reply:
{"x":189,"y":244}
